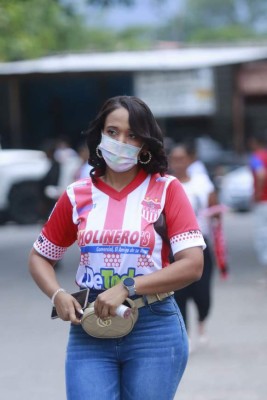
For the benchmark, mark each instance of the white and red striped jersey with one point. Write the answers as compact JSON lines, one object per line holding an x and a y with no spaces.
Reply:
{"x":115,"y":230}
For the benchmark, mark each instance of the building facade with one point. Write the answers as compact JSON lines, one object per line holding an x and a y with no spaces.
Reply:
{"x":218,"y":92}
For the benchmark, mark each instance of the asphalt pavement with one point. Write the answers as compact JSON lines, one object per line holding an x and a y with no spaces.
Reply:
{"x":232,"y":365}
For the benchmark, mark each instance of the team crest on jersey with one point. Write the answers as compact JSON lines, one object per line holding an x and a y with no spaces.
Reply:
{"x":151,"y":209}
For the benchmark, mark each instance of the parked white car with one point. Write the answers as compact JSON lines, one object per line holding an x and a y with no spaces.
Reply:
{"x":20,"y":173}
{"x":236,"y":189}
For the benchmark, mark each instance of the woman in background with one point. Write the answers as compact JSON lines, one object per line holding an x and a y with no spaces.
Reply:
{"x":203,"y":198}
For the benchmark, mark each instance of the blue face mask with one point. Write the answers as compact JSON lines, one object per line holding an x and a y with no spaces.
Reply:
{"x":120,"y":157}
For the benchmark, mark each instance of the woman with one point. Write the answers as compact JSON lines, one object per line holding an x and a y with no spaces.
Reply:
{"x":203,"y":198}
{"x":112,"y":215}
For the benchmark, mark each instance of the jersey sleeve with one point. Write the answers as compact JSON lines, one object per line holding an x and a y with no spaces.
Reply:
{"x":182,"y":226}
{"x":59,"y":232}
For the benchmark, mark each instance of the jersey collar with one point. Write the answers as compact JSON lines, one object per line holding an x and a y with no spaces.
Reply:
{"x":105,"y":188}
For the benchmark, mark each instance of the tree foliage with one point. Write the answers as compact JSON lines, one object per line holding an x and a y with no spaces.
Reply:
{"x":109,"y":3}
{"x":227,"y":12}
{"x":34,"y":28}
{"x":213,"y":21}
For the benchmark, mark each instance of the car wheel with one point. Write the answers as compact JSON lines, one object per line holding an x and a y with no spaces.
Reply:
{"x":24,"y":203}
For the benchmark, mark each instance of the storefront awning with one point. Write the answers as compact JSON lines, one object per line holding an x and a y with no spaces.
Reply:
{"x":157,"y":60}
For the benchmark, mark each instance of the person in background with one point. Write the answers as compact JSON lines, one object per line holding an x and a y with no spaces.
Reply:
{"x":195,"y":166}
{"x":85,"y":168}
{"x":51,"y":178}
{"x":112,"y":213}
{"x":258,"y":164}
{"x":203,"y":198}
{"x":64,"y":151}
{"x":69,"y":161}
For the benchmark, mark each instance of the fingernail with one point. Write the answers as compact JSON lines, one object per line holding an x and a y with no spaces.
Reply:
{"x":81,"y":311}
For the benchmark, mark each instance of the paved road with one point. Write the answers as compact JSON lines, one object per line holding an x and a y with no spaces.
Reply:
{"x":232,"y":366}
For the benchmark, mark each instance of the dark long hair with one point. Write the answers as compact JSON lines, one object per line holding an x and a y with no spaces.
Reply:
{"x":142,"y":123}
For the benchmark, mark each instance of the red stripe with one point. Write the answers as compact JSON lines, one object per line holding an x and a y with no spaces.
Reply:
{"x":115,"y":213}
{"x":83,"y":199}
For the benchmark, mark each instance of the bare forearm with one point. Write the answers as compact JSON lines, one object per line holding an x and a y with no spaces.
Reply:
{"x":173,"y":277}
{"x":186,"y":269}
{"x":43,"y":273}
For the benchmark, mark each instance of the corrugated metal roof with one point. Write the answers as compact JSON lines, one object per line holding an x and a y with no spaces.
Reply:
{"x":156,"y":60}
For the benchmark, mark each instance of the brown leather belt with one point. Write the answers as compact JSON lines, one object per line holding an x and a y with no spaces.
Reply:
{"x":151,"y":298}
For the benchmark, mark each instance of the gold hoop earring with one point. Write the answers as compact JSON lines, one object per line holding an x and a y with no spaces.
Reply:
{"x":97,"y":153}
{"x":146,"y":161}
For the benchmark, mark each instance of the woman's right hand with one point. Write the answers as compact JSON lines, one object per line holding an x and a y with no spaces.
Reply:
{"x":68,"y":308}
{"x":42,"y":271}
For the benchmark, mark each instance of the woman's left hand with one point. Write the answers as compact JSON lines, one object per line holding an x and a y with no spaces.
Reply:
{"x":107,"y":302}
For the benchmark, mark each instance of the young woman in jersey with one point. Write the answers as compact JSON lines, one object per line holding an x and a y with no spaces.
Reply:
{"x":112,"y":216}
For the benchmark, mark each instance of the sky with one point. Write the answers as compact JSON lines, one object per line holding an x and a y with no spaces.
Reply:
{"x":144,"y":12}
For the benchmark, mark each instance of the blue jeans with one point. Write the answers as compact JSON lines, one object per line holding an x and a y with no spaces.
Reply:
{"x":147,"y":364}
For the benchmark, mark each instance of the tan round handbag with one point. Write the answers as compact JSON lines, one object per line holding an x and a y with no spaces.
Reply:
{"x":113,"y":327}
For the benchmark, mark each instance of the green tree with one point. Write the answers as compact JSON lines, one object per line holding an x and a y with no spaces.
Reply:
{"x":108,"y":3}
{"x":214,"y":21}
{"x":228,"y":12}
{"x":35,"y":28}
{"x":32,"y":28}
